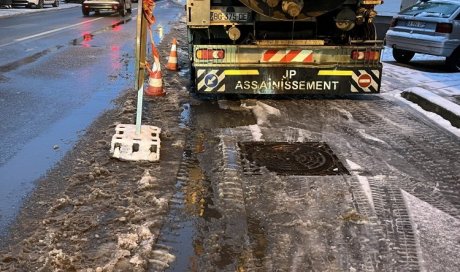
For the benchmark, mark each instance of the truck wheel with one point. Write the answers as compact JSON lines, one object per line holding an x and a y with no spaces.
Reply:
{"x":85,"y":12}
{"x":40,"y":4}
{"x":453,"y":61}
{"x":56,"y":3}
{"x":122,"y":11}
{"x":402,"y":56}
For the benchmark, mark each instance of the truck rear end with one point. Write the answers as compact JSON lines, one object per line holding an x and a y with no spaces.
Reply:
{"x":283,"y":47}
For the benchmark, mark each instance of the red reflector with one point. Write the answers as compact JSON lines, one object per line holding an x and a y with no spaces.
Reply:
{"x":365,"y":55}
{"x":444,"y":28}
{"x":207,"y":54}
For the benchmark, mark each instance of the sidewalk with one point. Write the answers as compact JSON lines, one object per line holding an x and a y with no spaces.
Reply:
{"x":425,"y":82}
{"x":4,"y":12}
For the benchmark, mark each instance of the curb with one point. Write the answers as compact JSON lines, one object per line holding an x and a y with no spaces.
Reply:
{"x":434,"y":103}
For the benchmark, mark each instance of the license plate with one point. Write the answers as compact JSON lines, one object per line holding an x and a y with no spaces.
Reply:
{"x":219,"y":16}
{"x":416,"y":24}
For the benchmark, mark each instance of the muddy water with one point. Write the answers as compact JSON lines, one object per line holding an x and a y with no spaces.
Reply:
{"x":19,"y":172}
{"x":98,"y":84}
{"x":192,"y":207}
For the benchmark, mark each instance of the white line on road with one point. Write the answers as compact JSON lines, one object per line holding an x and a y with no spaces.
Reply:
{"x":55,"y":30}
{"x":49,"y":31}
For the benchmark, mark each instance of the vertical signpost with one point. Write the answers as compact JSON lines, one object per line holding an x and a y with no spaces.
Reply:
{"x":129,"y":142}
{"x":141,"y":40}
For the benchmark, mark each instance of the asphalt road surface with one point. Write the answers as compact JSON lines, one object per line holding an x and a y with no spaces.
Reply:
{"x":361,"y":183}
{"x":59,"y":70}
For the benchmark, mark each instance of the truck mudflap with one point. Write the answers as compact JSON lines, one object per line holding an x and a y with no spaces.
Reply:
{"x":292,"y":80}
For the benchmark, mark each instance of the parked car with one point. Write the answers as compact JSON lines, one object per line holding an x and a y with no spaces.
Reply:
{"x":35,"y":3}
{"x":122,"y":6}
{"x":428,"y":27}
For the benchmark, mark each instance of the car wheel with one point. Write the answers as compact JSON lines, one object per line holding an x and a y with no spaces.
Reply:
{"x":40,"y":4}
{"x":453,"y":61}
{"x":402,"y":56}
{"x":130,"y":8}
{"x":122,"y":11}
{"x":56,"y":3}
{"x":85,"y":12}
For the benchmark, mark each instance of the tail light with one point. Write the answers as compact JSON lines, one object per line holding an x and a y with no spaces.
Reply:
{"x":444,"y":28}
{"x":365,"y":55}
{"x":115,"y":7}
{"x":393,"y":23}
{"x":208,"y":54}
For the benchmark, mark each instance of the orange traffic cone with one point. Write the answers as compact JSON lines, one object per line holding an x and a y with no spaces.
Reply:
{"x":172,"y":60}
{"x":155,"y":87}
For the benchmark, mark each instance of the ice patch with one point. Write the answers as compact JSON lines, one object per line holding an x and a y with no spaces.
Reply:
{"x":345,"y":113}
{"x":262,"y":111}
{"x":369,"y":137}
{"x":437,"y":235}
{"x":256,"y":132}
{"x":366,"y":189}
{"x":354,"y":166}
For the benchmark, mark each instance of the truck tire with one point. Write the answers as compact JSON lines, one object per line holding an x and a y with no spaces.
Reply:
{"x":85,"y":12}
{"x":402,"y":56}
{"x":40,"y":4}
{"x":56,"y":3}
{"x":453,"y":61}
{"x":122,"y":10}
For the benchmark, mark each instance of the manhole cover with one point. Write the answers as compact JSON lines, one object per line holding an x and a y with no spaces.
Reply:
{"x":309,"y":159}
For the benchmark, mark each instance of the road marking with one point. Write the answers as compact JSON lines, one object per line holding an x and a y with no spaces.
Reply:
{"x":55,"y":30}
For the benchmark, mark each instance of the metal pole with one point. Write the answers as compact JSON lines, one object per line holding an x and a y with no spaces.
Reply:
{"x":140,"y":96}
{"x":141,"y":40}
{"x":141,"y":45}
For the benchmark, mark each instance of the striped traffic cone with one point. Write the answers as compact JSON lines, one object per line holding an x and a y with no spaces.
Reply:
{"x":172,"y":60}
{"x":155,"y":87}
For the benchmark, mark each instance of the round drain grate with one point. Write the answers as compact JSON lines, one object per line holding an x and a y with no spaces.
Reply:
{"x":294,"y":158}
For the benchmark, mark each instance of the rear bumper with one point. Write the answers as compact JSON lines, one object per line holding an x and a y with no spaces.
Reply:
{"x":23,"y":2}
{"x":287,"y":80}
{"x":419,"y":43}
{"x":107,"y":6}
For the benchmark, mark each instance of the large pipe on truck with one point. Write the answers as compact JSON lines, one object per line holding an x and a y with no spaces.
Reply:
{"x":294,"y":9}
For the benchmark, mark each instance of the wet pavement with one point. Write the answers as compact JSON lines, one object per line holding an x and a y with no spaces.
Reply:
{"x":210,"y":205}
{"x":225,"y":218}
{"x":53,"y":90}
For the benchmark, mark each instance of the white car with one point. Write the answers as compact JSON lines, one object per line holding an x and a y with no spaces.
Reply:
{"x":121,"y":6}
{"x":428,"y":27}
{"x":35,"y":3}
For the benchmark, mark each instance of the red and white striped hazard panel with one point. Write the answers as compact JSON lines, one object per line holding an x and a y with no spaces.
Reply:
{"x":303,"y":56}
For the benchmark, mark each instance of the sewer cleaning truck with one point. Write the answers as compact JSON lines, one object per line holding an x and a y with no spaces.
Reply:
{"x":283,"y":46}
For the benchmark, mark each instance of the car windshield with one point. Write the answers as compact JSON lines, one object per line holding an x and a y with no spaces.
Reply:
{"x":431,"y":9}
